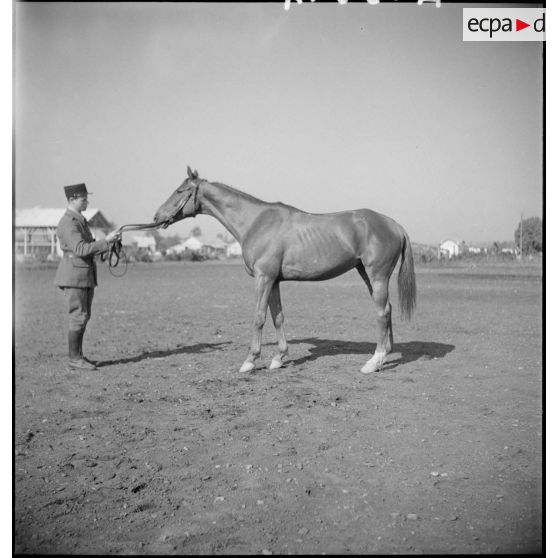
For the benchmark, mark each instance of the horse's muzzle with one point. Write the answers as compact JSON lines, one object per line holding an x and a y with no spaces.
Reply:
{"x":162,"y":221}
{"x":177,"y":214}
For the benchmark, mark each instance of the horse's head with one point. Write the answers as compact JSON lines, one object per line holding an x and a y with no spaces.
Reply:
{"x":182,"y":203}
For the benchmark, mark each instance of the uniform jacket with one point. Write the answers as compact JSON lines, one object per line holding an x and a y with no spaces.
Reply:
{"x":77,"y":267}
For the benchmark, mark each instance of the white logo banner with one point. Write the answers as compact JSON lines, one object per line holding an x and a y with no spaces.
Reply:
{"x":503,"y":24}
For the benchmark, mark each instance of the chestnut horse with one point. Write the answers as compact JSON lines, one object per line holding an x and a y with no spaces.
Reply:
{"x":282,"y":243}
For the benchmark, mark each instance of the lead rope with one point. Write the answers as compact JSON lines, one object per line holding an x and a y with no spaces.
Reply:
{"x":116,"y":251}
{"x":113,"y":256}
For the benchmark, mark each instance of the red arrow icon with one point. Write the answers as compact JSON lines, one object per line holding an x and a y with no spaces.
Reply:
{"x":519,"y":25}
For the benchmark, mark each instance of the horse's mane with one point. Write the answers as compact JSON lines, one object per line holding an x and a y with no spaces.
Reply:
{"x":239,"y":192}
{"x":250,"y":197}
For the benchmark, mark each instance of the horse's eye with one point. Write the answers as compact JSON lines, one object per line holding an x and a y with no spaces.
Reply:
{"x":180,"y":189}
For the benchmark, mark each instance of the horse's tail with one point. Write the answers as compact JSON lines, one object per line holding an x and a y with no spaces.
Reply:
{"x":406,"y":280}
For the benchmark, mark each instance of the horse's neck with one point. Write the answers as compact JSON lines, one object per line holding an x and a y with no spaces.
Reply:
{"x":235,"y":210}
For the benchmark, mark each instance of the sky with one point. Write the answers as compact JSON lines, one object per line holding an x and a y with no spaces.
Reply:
{"x":325,"y":107}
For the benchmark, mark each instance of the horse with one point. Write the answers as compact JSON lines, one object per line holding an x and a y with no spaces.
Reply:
{"x":282,"y":243}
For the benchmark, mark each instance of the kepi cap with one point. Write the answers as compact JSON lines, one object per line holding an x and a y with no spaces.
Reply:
{"x":76,"y":190}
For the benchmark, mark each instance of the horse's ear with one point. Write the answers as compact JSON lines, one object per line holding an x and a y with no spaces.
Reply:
{"x":192,"y":174}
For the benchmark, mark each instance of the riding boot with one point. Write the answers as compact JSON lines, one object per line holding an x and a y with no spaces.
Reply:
{"x":74,"y":345}
{"x":74,"y":341}
{"x":81,"y":351}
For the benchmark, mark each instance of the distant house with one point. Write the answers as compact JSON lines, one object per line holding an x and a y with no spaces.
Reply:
{"x":207,"y":247}
{"x":234,"y":250}
{"x":177,"y":249}
{"x":449,"y":249}
{"x":140,"y":241}
{"x":213,"y":248}
{"x":476,"y":250}
{"x":512,"y":251}
{"x":35,"y":230}
{"x":192,"y":244}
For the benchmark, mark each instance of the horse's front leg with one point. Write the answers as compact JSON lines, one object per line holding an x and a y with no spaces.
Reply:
{"x":278,"y":319}
{"x":263,"y":289}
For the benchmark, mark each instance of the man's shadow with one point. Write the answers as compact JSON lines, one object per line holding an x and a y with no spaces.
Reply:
{"x":402,"y":353}
{"x":188,"y":350}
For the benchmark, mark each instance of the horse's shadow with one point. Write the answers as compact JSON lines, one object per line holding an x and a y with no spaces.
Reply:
{"x":190,"y":349}
{"x":409,"y":352}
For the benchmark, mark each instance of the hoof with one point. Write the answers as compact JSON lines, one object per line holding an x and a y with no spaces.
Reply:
{"x":247,"y":367}
{"x":276,"y":363}
{"x":374,"y":364}
{"x":368,"y":368}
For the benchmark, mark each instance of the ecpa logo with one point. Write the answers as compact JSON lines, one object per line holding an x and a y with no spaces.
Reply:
{"x":503,"y":24}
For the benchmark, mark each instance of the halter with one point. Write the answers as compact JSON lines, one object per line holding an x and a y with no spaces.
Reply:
{"x":194,"y":193}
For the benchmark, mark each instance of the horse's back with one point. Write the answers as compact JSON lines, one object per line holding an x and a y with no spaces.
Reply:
{"x":296,"y":245}
{"x":365,"y":235}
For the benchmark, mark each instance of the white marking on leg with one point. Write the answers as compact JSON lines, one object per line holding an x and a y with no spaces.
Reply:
{"x":247,"y":367}
{"x":375,"y":363}
{"x":276,"y":362}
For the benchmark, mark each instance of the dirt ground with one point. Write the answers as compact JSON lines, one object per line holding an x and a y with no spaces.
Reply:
{"x":168,"y":449}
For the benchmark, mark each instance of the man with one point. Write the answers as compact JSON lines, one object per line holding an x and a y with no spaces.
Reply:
{"x":77,"y":272}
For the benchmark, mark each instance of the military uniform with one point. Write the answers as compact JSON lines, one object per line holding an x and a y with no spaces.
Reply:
{"x":77,"y":272}
{"x":77,"y":267}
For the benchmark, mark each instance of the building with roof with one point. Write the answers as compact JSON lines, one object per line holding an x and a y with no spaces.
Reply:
{"x":234,"y":250}
{"x":35,"y":230}
{"x":140,"y":240}
{"x":450,"y":249}
{"x":192,"y":244}
{"x":214,"y":248}
{"x":206,"y":247}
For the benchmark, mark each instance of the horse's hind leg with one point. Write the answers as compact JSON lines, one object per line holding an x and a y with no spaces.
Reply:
{"x":263,"y":289}
{"x":390,"y":329}
{"x":278,"y":319}
{"x":382,"y":311}
{"x":379,"y":289}
{"x":366,"y":279}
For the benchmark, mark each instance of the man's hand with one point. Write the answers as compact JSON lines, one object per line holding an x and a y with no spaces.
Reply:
{"x":113,"y":236}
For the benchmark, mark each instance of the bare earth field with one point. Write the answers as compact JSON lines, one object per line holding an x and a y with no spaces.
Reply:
{"x":168,"y":449}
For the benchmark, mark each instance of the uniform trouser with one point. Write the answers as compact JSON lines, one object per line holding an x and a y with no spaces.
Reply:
{"x":79,"y":310}
{"x":79,"y":307}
